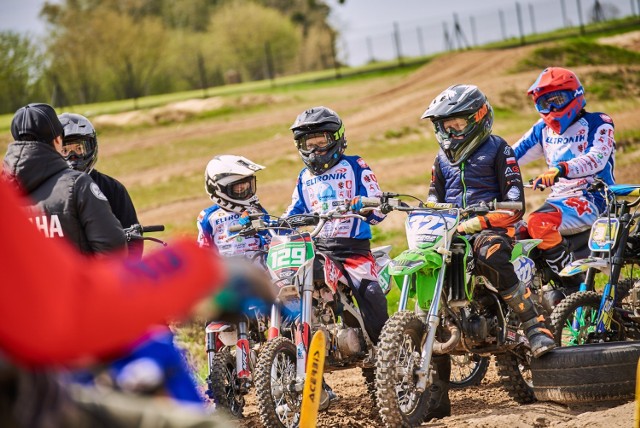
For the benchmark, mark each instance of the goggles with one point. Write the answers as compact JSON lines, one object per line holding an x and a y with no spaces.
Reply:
{"x":241,"y":189}
{"x":77,"y":147}
{"x":554,"y":101}
{"x":318,"y":141}
{"x":455,"y":126}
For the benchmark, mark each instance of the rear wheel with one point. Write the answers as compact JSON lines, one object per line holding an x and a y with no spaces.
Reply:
{"x":467,"y":370}
{"x":224,"y":383}
{"x":515,"y":375}
{"x":401,"y":405}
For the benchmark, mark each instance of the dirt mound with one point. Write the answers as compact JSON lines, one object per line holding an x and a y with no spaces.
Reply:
{"x":629,"y":40}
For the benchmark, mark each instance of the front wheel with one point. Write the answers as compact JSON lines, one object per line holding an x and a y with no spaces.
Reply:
{"x":275,"y":380}
{"x":467,"y":370}
{"x":224,"y":383}
{"x":399,"y":348}
{"x":574,"y":321}
{"x":514,"y":370}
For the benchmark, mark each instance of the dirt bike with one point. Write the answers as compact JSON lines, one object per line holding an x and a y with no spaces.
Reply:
{"x":455,"y":313}
{"x":591,"y":317}
{"x":306,"y":302}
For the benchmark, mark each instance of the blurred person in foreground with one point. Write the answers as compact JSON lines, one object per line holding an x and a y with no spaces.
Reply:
{"x":118,"y":299}
{"x":155,"y":365}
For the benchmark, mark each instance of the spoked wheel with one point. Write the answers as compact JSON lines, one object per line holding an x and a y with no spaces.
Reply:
{"x":398,"y":361}
{"x":275,"y":378}
{"x":467,"y":370}
{"x":575,"y":320}
{"x":514,"y":370}
{"x":224,"y":382}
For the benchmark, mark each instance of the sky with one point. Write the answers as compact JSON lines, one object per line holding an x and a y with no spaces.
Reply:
{"x":367,"y":26}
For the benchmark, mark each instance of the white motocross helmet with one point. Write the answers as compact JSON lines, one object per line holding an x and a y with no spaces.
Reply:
{"x":231,"y":183}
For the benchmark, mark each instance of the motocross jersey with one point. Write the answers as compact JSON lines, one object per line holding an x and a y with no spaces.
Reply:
{"x":213,"y":232}
{"x":585,"y":150}
{"x":349,"y":178}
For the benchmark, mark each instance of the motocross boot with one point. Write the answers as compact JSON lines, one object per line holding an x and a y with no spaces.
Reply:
{"x":540,"y":338}
{"x":326,"y":396}
{"x":556,"y":258}
{"x":439,"y":405}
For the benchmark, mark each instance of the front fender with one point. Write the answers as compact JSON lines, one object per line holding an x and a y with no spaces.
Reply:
{"x":425,"y":263}
{"x":582,"y":265}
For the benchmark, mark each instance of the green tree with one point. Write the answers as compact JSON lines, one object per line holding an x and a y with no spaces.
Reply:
{"x":248,"y":33}
{"x":20,"y":69}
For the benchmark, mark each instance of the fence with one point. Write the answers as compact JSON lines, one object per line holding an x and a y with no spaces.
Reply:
{"x":517,"y":22}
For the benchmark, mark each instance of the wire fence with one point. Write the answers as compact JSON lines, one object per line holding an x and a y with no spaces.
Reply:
{"x":518,"y":23}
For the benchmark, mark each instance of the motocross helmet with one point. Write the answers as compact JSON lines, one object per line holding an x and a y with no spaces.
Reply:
{"x":79,"y":142}
{"x":231,"y":183}
{"x":319,"y":137}
{"x":462,"y":117}
{"x":559,"y":97}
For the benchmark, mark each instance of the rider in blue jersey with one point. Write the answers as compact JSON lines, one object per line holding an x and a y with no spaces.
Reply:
{"x":578,"y":147}
{"x":330,"y":178}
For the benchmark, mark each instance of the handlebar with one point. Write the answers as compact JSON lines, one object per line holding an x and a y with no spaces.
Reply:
{"x":135,"y":231}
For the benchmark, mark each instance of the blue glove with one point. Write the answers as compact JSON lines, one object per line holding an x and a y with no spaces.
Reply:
{"x":356,"y":204}
{"x":244,"y":219}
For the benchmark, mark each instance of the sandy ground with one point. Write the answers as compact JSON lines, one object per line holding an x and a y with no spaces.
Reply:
{"x":483,"y":406}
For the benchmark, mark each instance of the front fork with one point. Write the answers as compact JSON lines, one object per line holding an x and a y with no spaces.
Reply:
{"x":243,"y":353}
{"x":431,"y":319}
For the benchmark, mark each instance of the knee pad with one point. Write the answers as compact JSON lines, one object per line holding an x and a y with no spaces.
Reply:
{"x":544,"y":225}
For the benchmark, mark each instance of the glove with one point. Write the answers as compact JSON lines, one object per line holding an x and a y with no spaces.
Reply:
{"x":469,"y":227}
{"x":356,"y":204}
{"x":547,"y":178}
{"x":244,"y":219}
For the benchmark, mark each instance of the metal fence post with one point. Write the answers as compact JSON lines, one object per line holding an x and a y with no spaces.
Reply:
{"x":396,"y":37}
{"x":532,"y":15}
{"x":519,"y":14}
{"x":580,"y":17}
{"x":502,"y":24}
{"x":420,"y":41}
{"x":563,"y":7}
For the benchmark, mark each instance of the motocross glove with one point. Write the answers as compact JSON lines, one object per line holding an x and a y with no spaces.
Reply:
{"x":244,"y":219}
{"x":549,"y":177}
{"x":356,"y":204}
{"x":471,"y":226}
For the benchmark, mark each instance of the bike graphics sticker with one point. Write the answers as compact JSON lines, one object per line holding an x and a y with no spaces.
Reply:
{"x":288,"y":253}
{"x":427,"y":227}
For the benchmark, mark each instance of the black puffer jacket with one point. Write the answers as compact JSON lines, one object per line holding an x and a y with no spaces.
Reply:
{"x":67,"y":203}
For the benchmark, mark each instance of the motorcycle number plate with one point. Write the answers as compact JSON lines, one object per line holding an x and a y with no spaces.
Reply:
{"x":603,"y":234}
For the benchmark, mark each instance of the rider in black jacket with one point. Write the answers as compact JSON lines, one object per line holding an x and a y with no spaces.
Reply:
{"x":66,"y":203}
{"x":80,"y":150}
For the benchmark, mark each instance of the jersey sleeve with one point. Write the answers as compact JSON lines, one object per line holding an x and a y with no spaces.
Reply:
{"x":436,"y":187}
{"x":511,"y":189}
{"x":529,"y":147}
{"x":596,"y":156}
{"x":298,"y":204}
{"x":369,"y":187}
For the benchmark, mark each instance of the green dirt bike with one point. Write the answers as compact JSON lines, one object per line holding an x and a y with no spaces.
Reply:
{"x":456,"y":313}
{"x":613,"y":315}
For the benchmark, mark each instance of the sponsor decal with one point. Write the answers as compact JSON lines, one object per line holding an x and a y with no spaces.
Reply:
{"x":340,"y":170}
{"x":507,"y":150}
{"x":326,"y":177}
{"x":606,"y":118}
{"x":362,"y":163}
{"x":580,"y":205}
{"x":326,"y":192}
{"x":564,"y":140}
{"x":50,"y":226}
{"x":513,"y":193}
{"x":511,"y":161}
{"x":97,"y":192}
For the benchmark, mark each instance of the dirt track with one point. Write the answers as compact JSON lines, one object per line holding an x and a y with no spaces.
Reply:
{"x":484,"y":406}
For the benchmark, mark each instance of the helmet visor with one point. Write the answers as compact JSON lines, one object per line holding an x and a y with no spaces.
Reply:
{"x":455,"y":128}
{"x":317,"y":142}
{"x":242,"y":189}
{"x":553,"y":101}
{"x":79,"y":148}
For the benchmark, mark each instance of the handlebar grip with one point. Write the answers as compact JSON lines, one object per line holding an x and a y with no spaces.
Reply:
{"x":439,"y":205}
{"x":517,"y":206}
{"x":370,"y":201}
{"x":153,"y":228}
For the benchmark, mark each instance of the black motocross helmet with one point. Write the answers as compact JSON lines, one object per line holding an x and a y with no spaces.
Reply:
{"x":319,"y":121}
{"x":470,"y":106}
{"x":79,"y":142}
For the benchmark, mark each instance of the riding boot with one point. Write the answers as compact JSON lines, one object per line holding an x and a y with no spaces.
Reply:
{"x":540,"y":338}
{"x":556,"y":259}
{"x":326,"y":396}
{"x":439,"y":405}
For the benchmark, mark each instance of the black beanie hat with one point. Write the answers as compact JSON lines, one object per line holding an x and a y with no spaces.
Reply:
{"x":36,"y":122}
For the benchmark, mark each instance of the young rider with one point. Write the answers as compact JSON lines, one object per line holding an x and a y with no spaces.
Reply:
{"x":578,"y":147}
{"x":472,"y":166}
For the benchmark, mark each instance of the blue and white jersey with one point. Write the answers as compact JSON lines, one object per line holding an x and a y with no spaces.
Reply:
{"x":213,"y":231}
{"x":586,"y":150}
{"x":349,"y":178}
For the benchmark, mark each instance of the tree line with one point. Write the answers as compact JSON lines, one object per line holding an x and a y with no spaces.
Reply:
{"x":102,"y":50}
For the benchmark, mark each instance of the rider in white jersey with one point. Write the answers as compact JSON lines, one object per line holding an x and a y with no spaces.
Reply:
{"x":578,"y":146}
